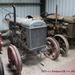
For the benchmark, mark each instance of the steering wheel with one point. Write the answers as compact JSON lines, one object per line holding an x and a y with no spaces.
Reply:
{"x":8,"y":15}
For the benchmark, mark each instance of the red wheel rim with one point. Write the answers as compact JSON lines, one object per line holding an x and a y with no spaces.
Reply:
{"x":14,"y":58}
{"x":53,"y":48}
{"x":0,"y":43}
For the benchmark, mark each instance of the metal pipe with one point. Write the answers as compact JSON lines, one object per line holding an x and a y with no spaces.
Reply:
{"x":56,"y":15}
{"x":14,"y":11}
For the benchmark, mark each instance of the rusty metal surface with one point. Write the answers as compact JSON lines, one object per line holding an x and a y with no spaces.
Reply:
{"x":64,"y":45}
{"x":69,"y":19}
{"x":65,"y":25}
{"x":71,"y":30}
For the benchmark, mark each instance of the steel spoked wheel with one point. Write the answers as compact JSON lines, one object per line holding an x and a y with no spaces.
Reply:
{"x":52,"y":47}
{"x":63,"y":42}
{"x":14,"y":58}
{"x":1,"y":68}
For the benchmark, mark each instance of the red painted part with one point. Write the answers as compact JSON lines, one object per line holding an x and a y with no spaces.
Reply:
{"x":0,"y":43}
{"x":14,"y":58}
{"x":54,"y":52}
{"x":19,"y":59}
{"x":0,"y":46}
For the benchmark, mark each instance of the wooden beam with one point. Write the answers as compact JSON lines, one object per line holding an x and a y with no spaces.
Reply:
{"x":43,"y":5}
{"x":20,"y":3}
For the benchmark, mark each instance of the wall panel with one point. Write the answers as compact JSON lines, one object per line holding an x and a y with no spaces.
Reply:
{"x":21,"y":10}
{"x":65,"y":7}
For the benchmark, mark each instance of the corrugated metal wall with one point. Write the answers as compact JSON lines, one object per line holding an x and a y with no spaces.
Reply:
{"x":65,"y":7}
{"x":33,"y":1}
{"x":21,"y":10}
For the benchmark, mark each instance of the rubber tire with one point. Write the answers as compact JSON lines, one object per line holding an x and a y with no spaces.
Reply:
{"x":1,"y":67}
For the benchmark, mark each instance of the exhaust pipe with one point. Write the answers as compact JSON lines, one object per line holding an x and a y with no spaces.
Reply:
{"x":14,"y":11}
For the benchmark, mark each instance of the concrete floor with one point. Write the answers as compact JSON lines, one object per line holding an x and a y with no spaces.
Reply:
{"x":31,"y":66}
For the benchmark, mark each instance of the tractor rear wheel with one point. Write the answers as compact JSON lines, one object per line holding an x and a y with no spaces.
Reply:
{"x":64,"y":45}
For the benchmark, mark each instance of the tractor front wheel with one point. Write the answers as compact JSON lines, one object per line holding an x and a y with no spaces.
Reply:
{"x":14,"y":58}
{"x":52,"y":47}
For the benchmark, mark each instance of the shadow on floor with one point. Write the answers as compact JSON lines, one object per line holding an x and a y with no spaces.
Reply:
{"x":34,"y":60}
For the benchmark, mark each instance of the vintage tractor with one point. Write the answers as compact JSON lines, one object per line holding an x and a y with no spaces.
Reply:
{"x":58,"y":27}
{"x":1,"y":67}
{"x":28,"y":37}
